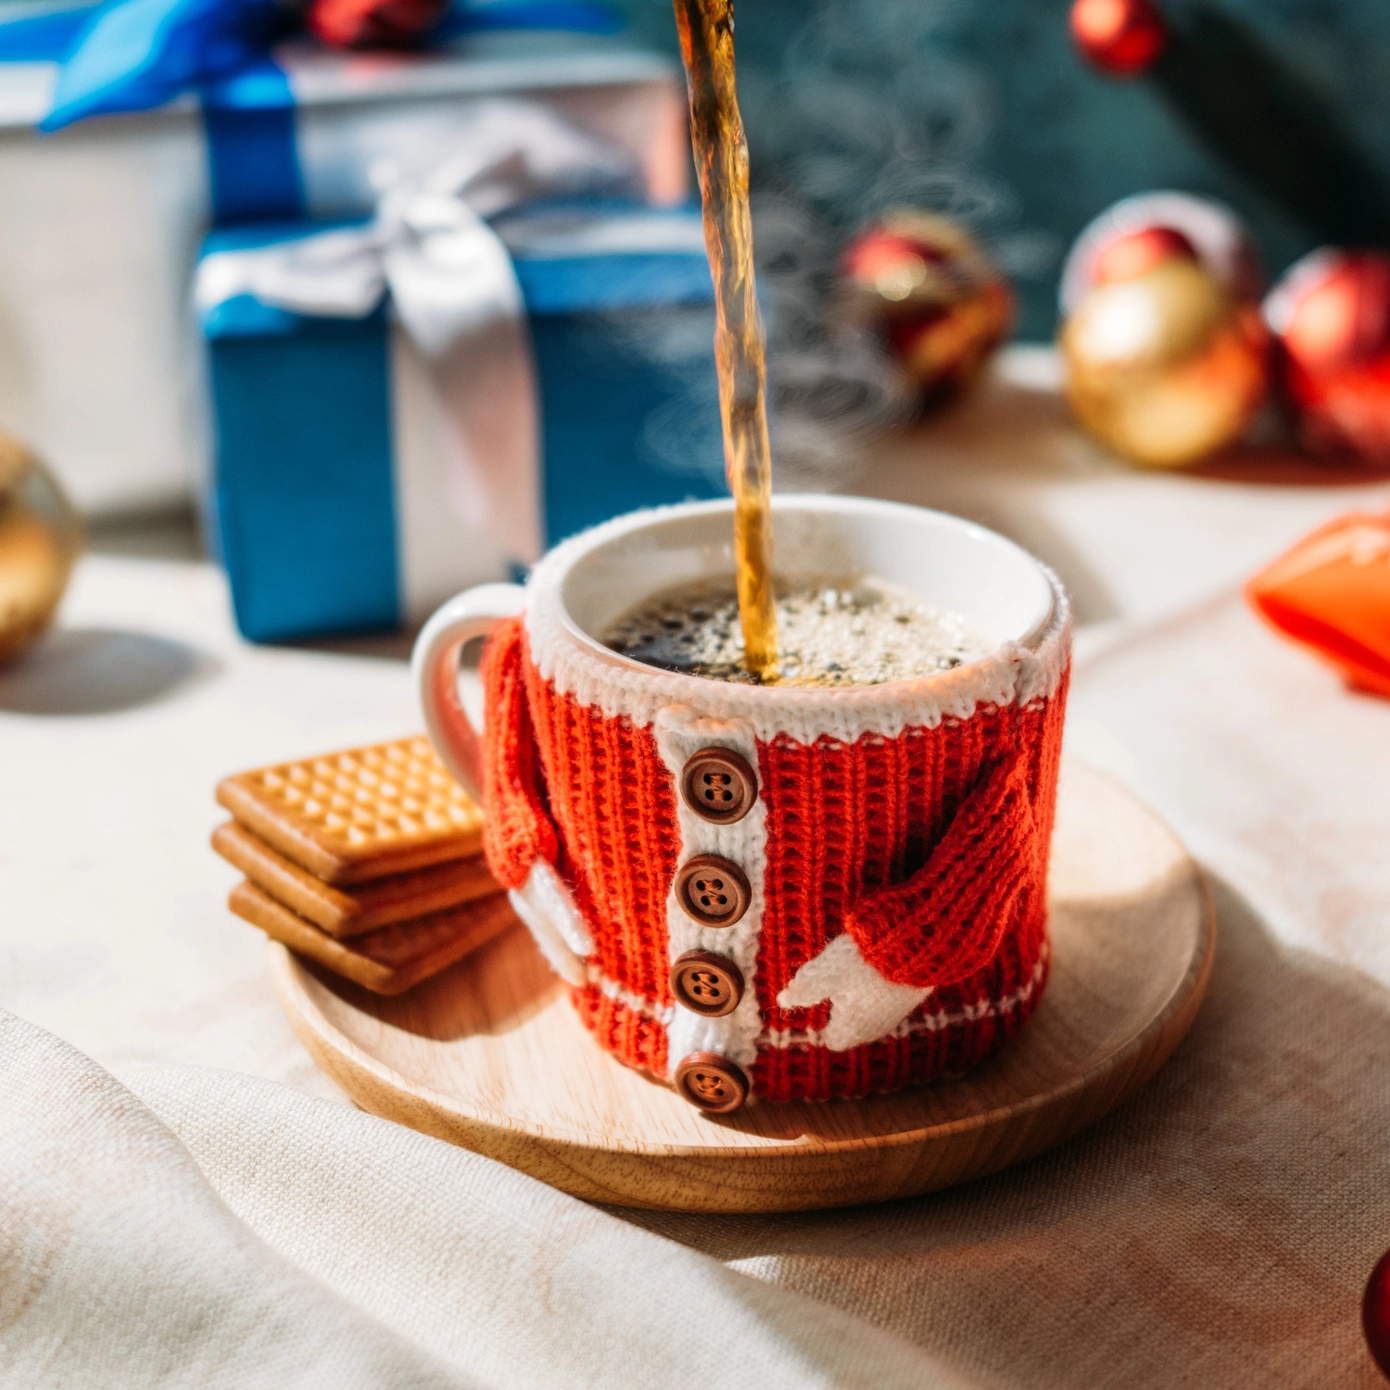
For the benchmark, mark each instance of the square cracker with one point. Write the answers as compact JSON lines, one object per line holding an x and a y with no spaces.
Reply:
{"x":390,"y":959}
{"x":352,"y":908}
{"x":360,"y":814}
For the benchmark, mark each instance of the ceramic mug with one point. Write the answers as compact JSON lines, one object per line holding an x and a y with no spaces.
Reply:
{"x":787,"y":892}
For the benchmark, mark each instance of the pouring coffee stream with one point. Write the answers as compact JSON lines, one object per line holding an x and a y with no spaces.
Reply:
{"x":721,"y":156}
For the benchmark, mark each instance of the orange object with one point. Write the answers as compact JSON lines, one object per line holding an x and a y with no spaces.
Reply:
{"x":1331,"y":594}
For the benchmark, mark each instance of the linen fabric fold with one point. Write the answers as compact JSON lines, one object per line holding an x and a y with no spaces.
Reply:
{"x":197,"y":1227}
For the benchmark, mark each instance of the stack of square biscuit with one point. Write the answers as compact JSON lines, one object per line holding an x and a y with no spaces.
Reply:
{"x":367,"y":861}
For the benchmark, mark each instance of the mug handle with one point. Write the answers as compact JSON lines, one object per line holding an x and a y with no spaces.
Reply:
{"x":434,"y":667}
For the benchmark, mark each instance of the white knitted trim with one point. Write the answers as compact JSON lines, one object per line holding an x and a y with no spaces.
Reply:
{"x":782,"y":1038}
{"x":638,"y":1003}
{"x":863,"y":1004}
{"x":545,"y":905}
{"x":984,"y":1007}
{"x":620,"y":687}
{"x":680,"y":733}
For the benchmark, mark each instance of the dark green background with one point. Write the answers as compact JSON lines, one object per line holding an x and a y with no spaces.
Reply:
{"x":1046,"y":141}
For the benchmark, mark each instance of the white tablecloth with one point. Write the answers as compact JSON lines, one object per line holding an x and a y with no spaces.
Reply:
{"x":185,"y":1201}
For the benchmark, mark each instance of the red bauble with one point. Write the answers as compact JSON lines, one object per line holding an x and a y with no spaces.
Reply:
{"x":887,"y":260}
{"x":1334,"y":309}
{"x":1136,"y":235}
{"x":1120,"y":37}
{"x":940,"y":304}
{"x":1133,"y":254}
{"x":374,"y":23}
{"x":1331,"y":313}
{"x":1375,"y":1314}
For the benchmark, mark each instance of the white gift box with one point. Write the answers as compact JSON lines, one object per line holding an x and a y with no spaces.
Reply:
{"x":100,"y":224}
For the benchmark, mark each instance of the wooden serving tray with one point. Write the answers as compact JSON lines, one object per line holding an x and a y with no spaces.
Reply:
{"x":489,"y":1054}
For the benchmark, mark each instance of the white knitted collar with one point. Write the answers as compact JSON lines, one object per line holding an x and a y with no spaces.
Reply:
{"x":578,"y":666}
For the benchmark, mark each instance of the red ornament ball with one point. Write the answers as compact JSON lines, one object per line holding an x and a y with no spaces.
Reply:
{"x":1335,"y":309}
{"x":1375,"y":1313}
{"x":1120,"y":37}
{"x":1132,"y":254}
{"x":940,"y":303}
{"x":374,"y":23}
{"x":1138,"y":234}
{"x":1331,"y":315}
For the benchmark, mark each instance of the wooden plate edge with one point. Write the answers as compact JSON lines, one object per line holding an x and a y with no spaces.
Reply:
{"x":688,"y":1178}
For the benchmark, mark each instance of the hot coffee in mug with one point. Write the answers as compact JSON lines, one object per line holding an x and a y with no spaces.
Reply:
{"x":800,"y":890}
{"x":845,"y":631}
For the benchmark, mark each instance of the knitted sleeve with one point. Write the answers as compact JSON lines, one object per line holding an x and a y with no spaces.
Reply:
{"x":518,"y":829}
{"x":946,"y":921}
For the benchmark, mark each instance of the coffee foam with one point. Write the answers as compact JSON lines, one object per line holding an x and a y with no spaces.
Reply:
{"x":832,"y":634}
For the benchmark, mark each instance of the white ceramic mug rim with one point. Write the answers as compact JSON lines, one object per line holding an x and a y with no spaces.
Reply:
{"x":588,"y":542}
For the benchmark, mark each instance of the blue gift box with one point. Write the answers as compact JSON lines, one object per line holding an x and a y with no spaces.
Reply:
{"x":308,"y":506}
{"x":96,"y":368}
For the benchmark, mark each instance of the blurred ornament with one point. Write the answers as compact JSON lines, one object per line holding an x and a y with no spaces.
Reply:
{"x":939,"y":301}
{"x":1248,"y":105}
{"x":40,"y":538}
{"x":1136,"y":253}
{"x":1120,"y":37}
{"x":1375,"y":1314}
{"x":1331,"y":315}
{"x":1165,"y":367}
{"x":1139,"y":232}
{"x":375,"y":23}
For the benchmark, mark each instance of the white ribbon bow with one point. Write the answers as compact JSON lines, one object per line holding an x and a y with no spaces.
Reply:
{"x":454,"y":291}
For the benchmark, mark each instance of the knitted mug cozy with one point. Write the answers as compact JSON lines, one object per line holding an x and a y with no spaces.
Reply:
{"x":874,"y":917}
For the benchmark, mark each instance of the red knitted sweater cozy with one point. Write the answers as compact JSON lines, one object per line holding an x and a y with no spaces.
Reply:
{"x":927,"y":847}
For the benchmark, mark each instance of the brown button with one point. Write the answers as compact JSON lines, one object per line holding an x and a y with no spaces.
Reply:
{"x":719,"y":786}
{"x":707,"y":984}
{"x":712,"y":1082}
{"x":712,"y":890}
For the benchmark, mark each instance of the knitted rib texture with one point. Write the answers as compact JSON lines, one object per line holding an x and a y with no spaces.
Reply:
{"x":518,"y":830}
{"x":929,"y":848}
{"x":944,"y":923}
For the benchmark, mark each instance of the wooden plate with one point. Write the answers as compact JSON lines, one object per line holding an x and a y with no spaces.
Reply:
{"x":489,"y":1054}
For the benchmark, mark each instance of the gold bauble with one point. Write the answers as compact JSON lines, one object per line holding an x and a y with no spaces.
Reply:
{"x":40,"y":538}
{"x":1165,"y":368}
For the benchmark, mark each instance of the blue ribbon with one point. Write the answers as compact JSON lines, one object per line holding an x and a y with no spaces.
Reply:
{"x":42,"y":38}
{"x":253,"y":158}
{"x":134,"y":55}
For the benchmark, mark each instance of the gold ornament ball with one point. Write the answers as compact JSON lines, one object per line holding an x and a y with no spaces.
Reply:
{"x":1167,"y":367}
{"x":40,"y":539}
